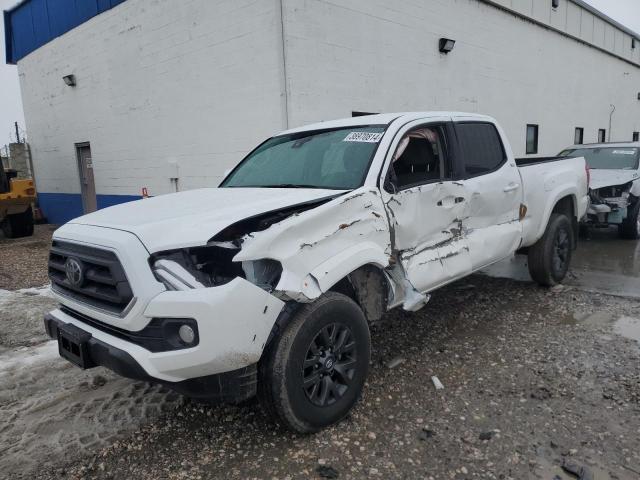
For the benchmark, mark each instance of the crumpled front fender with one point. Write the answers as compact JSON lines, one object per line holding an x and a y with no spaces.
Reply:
{"x":319,"y":247}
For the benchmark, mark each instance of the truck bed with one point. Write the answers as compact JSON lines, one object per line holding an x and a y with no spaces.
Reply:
{"x":543,"y":178}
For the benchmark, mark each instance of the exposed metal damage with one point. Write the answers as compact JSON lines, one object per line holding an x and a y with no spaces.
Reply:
{"x":612,"y":204}
{"x":348,"y":238}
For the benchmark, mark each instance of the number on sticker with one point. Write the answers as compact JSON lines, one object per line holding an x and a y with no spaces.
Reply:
{"x":363,"y":137}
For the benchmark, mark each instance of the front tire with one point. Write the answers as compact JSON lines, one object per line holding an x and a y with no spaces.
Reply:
{"x":550,"y":257}
{"x":19,"y":225}
{"x":312,"y":373}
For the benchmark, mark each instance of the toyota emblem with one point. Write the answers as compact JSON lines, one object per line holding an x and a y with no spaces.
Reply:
{"x":75,"y":274}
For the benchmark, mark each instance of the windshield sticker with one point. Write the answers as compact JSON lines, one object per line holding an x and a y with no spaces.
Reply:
{"x":363,"y":137}
{"x":624,"y":152}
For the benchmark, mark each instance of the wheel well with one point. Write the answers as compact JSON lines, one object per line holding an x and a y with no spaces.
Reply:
{"x":368,"y":287}
{"x":567,"y":206}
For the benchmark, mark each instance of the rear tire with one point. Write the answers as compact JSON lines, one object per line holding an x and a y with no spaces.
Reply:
{"x":312,"y":373}
{"x":550,"y":257}
{"x":630,"y":228}
{"x":19,"y":225}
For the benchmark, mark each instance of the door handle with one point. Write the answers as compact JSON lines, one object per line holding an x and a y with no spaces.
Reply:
{"x":449,"y":204}
{"x":511,"y":187}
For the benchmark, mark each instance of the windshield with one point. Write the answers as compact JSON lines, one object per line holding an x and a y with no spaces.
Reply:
{"x":333,"y":159}
{"x":609,"y":158}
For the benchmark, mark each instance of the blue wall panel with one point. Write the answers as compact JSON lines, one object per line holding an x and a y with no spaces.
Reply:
{"x":59,"y":208}
{"x":63,"y":16}
{"x":86,"y":10}
{"x":32,"y":23}
{"x":40,"y":16}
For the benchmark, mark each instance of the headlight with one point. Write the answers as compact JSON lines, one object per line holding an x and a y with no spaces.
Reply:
{"x":175,"y":276}
{"x":211,"y":266}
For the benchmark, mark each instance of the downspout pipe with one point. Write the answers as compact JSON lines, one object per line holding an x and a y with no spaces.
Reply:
{"x":613,"y":109}
{"x":283,"y":58}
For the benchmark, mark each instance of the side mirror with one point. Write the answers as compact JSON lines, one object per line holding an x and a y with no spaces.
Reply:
{"x":391,"y":181}
{"x":390,"y":186}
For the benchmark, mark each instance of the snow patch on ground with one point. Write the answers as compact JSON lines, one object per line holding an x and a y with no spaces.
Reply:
{"x":44,"y":291}
{"x":21,"y":318}
{"x":27,"y":357}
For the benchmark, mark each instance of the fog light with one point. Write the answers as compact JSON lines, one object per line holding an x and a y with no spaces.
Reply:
{"x":187,"y":334}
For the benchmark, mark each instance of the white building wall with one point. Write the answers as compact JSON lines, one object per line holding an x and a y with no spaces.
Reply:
{"x":574,"y":19}
{"x":196,"y":82}
{"x":381,"y":55}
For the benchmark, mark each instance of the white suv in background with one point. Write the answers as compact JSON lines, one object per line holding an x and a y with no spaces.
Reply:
{"x":615,"y":185}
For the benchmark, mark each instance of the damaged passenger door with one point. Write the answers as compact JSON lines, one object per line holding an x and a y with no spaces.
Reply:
{"x":492,"y":222}
{"x":425,"y":205}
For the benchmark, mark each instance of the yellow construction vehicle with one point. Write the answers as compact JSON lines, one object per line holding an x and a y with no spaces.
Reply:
{"x":16,"y":198}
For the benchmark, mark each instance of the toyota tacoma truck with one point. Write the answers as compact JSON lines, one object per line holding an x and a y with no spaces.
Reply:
{"x":615,"y":185}
{"x":267,"y":284}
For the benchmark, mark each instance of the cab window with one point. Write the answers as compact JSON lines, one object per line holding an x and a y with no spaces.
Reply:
{"x":419,"y":158}
{"x":481,"y":148}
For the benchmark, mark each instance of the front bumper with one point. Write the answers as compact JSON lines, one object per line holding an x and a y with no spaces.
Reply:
{"x":234,"y":323}
{"x":231,"y":386}
{"x":233,"y":320}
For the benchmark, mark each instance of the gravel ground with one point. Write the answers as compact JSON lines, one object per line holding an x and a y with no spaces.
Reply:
{"x":533,"y":378}
{"x":22,"y":259}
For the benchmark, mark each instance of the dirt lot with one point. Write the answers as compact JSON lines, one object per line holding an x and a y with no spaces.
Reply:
{"x":22,"y":260}
{"x":534,"y":379}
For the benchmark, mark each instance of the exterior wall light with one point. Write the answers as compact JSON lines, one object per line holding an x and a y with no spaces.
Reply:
{"x":70,"y":80}
{"x":446,"y":45}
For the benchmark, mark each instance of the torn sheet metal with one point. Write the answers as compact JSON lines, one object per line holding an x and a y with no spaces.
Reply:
{"x":405,"y":293}
{"x":429,"y":254}
{"x":321,"y":246}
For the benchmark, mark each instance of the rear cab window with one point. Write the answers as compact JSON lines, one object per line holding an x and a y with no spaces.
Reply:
{"x":481,"y":148}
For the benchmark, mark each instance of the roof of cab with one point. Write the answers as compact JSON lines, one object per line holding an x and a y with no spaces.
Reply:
{"x":385,"y":119}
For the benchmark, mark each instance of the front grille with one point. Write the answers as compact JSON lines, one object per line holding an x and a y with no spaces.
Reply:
{"x":104,"y":286}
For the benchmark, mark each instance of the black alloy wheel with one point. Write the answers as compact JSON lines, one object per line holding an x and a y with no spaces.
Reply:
{"x":329,"y":366}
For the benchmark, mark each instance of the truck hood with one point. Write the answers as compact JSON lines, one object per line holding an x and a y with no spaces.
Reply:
{"x":191,"y":218}
{"x":601,"y":178}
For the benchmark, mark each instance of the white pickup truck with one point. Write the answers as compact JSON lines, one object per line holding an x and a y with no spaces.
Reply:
{"x":615,"y":185}
{"x":267,"y":284}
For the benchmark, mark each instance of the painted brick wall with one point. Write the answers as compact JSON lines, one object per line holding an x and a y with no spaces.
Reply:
{"x":574,"y":19}
{"x":381,"y":56}
{"x":198,"y":83}
{"x":194,"y":83}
